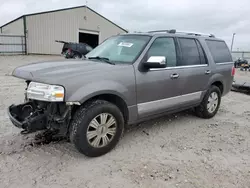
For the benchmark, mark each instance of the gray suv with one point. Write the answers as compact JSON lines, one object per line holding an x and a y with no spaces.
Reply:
{"x":127,"y":79}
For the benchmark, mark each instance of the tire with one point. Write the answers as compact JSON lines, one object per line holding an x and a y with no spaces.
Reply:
{"x":202,"y":110}
{"x":80,"y":126}
{"x":77,"y":56}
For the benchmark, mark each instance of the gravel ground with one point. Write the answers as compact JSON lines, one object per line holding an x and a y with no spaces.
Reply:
{"x":179,"y":150}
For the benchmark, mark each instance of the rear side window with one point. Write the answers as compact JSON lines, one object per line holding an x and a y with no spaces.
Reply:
{"x":219,"y":51}
{"x":190,"y":53}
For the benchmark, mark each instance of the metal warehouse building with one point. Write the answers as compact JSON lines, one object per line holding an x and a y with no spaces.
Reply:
{"x":76,"y":24}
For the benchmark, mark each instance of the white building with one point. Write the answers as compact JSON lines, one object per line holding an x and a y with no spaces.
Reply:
{"x":76,"y":24}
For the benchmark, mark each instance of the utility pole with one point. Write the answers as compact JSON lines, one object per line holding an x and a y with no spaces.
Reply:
{"x":232,"y":42}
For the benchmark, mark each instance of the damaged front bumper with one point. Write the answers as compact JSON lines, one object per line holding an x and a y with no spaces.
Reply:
{"x":33,"y":116}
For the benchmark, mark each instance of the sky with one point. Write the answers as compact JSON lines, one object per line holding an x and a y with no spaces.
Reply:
{"x":220,"y":17}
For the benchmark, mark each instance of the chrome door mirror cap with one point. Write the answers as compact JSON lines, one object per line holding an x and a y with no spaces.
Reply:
{"x":156,"y":62}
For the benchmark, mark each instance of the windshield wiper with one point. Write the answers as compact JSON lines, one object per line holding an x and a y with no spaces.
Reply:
{"x":102,"y":59}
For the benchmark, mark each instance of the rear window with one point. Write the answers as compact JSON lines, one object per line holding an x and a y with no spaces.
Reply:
{"x":219,"y":51}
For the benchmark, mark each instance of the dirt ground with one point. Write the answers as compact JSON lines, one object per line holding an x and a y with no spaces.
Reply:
{"x":179,"y":150}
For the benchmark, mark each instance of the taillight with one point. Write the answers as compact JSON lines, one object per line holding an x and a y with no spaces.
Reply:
{"x":233,"y":71}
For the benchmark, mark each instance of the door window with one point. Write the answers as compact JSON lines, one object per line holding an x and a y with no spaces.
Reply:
{"x":202,"y":54}
{"x":190,"y":53}
{"x":164,"y":46}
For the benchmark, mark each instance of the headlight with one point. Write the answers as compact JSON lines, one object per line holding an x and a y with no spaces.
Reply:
{"x":45,"y":92}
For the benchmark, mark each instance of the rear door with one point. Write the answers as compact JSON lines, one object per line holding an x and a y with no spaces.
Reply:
{"x":195,"y":70}
{"x":223,"y":62}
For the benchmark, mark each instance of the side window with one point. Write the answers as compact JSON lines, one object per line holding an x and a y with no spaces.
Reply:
{"x":164,"y":46}
{"x":190,"y":53}
{"x":201,"y":52}
{"x":219,"y":51}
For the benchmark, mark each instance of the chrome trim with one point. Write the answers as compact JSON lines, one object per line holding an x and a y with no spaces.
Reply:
{"x":226,"y":63}
{"x":72,"y":103}
{"x":41,"y":93}
{"x":162,"y":104}
{"x":179,"y":67}
{"x":157,"y":59}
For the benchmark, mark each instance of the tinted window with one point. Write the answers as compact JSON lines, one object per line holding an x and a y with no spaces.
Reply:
{"x":202,"y":54}
{"x":219,"y":51}
{"x":164,"y":47}
{"x":190,"y":53}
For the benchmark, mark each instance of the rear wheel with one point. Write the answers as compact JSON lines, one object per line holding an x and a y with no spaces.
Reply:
{"x":210,"y":104}
{"x":77,"y":56}
{"x":96,"y":128}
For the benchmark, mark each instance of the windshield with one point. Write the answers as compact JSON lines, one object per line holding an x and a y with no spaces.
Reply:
{"x":120,"y":49}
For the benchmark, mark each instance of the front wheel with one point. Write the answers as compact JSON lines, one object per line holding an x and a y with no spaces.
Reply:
{"x":210,"y":104}
{"x":96,"y":128}
{"x":77,"y":56}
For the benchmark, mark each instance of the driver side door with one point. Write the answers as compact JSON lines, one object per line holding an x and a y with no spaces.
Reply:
{"x":158,"y":89}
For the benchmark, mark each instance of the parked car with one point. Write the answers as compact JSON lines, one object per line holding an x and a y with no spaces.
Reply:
{"x":127,"y":79}
{"x":74,"y":50}
{"x":240,"y":63}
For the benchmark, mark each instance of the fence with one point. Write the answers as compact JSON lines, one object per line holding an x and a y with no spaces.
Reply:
{"x":241,"y":54}
{"x":12,"y":44}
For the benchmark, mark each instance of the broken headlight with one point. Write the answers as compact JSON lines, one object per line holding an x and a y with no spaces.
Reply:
{"x":45,"y":92}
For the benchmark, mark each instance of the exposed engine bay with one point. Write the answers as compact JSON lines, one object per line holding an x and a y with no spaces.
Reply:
{"x":34,"y":115}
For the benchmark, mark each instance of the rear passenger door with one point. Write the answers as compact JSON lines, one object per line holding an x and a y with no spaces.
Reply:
{"x":195,"y":70}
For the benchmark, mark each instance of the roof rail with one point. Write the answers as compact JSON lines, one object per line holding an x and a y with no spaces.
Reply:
{"x":173,"y":31}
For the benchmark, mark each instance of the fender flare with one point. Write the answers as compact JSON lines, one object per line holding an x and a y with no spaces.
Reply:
{"x":98,"y":88}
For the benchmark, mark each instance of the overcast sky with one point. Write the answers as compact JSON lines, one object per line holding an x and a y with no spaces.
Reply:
{"x":220,"y":17}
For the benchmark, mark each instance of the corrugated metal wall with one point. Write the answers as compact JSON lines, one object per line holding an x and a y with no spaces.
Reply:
{"x":44,"y":29}
{"x":14,"y":28}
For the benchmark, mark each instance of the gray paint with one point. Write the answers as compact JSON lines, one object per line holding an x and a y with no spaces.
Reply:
{"x":146,"y":93}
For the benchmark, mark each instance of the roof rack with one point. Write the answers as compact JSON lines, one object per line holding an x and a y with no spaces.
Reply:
{"x":173,"y":31}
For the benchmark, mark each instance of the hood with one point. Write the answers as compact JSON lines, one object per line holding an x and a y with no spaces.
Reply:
{"x":54,"y":71}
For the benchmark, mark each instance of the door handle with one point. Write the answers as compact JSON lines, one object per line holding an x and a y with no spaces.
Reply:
{"x":174,"y":76}
{"x":207,"y":71}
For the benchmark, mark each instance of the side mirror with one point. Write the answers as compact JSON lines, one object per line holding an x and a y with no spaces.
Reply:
{"x":156,"y":62}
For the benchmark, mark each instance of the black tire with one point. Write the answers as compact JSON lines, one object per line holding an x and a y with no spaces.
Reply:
{"x":80,"y":123}
{"x":77,"y":56}
{"x":201,"y":110}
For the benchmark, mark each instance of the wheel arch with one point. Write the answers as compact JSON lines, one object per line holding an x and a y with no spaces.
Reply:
{"x":77,"y":52}
{"x":217,"y":80}
{"x":112,"y":97}
{"x":220,"y":85}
